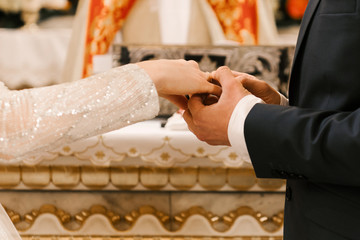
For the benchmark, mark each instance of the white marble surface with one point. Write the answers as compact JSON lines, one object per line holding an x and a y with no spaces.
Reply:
{"x":221,"y":203}
{"x":124,"y":202}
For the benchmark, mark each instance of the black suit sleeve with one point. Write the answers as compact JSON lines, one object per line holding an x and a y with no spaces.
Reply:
{"x":291,"y":142}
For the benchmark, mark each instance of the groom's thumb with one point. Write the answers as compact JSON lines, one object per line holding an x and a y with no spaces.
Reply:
{"x":231,"y":87}
{"x":225,"y":77}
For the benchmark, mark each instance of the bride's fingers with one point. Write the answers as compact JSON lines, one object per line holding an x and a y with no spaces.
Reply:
{"x":235,"y":73}
{"x":213,"y":89}
{"x":178,"y":100}
{"x":208,"y":76}
{"x":193,"y":64}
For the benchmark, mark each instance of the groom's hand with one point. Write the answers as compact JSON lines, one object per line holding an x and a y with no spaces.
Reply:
{"x":210,"y":122}
{"x":258,"y":87}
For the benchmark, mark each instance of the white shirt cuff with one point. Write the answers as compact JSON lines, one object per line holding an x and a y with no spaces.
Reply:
{"x":283,"y":100}
{"x":236,"y":125}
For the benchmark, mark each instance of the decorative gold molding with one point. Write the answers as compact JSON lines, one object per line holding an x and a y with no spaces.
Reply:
{"x":130,"y":219}
{"x":183,"y":216}
{"x":26,"y":237}
{"x":134,"y":215}
{"x":230,"y":218}
{"x":130,"y":177}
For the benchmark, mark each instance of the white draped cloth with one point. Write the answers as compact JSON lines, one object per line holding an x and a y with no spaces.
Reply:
{"x":42,"y":119}
{"x":32,"y":58}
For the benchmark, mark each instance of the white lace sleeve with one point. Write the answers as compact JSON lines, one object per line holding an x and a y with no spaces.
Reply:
{"x":42,"y":119}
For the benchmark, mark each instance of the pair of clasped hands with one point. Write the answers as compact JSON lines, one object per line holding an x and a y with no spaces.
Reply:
{"x":213,"y":96}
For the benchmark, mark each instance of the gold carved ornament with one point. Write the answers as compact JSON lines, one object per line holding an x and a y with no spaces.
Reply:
{"x":130,"y":219}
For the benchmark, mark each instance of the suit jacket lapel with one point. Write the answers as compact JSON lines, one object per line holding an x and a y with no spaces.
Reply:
{"x":310,"y":10}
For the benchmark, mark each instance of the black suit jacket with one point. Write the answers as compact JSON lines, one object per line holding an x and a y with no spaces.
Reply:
{"x":315,"y":143}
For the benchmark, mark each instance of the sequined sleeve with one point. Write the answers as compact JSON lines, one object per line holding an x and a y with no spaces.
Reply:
{"x":42,"y":119}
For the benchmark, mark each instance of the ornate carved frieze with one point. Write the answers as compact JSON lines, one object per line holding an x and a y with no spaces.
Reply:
{"x":269,"y":63}
{"x":145,"y":217}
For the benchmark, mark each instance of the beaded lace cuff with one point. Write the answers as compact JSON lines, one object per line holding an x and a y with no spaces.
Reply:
{"x":41,"y":119}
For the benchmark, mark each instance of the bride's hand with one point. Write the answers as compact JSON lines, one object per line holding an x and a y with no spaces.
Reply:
{"x":176,"y":78}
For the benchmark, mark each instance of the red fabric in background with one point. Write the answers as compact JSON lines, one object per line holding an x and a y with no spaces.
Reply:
{"x":238,"y":19}
{"x":104,"y":21}
{"x":296,"y":8}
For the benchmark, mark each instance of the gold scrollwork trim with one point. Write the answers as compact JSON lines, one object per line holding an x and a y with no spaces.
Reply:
{"x":131,"y":218}
{"x":128,"y":177}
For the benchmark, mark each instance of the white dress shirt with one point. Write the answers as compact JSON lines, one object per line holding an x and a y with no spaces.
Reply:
{"x":237,"y":123}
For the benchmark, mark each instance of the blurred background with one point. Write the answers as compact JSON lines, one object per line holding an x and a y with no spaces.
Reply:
{"x":287,"y":13}
{"x":45,"y":42}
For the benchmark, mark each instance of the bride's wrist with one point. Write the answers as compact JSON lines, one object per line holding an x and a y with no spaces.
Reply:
{"x":150,"y":67}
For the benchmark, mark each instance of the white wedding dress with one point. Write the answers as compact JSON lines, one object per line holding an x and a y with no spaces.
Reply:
{"x":42,"y":119}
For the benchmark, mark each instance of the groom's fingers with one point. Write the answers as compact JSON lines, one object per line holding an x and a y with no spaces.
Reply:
{"x":210,"y":100}
{"x":189,"y":120}
{"x":230,"y":84}
{"x":195,"y":103}
{"x":252,"y":83}
{"x":225,"y":76}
